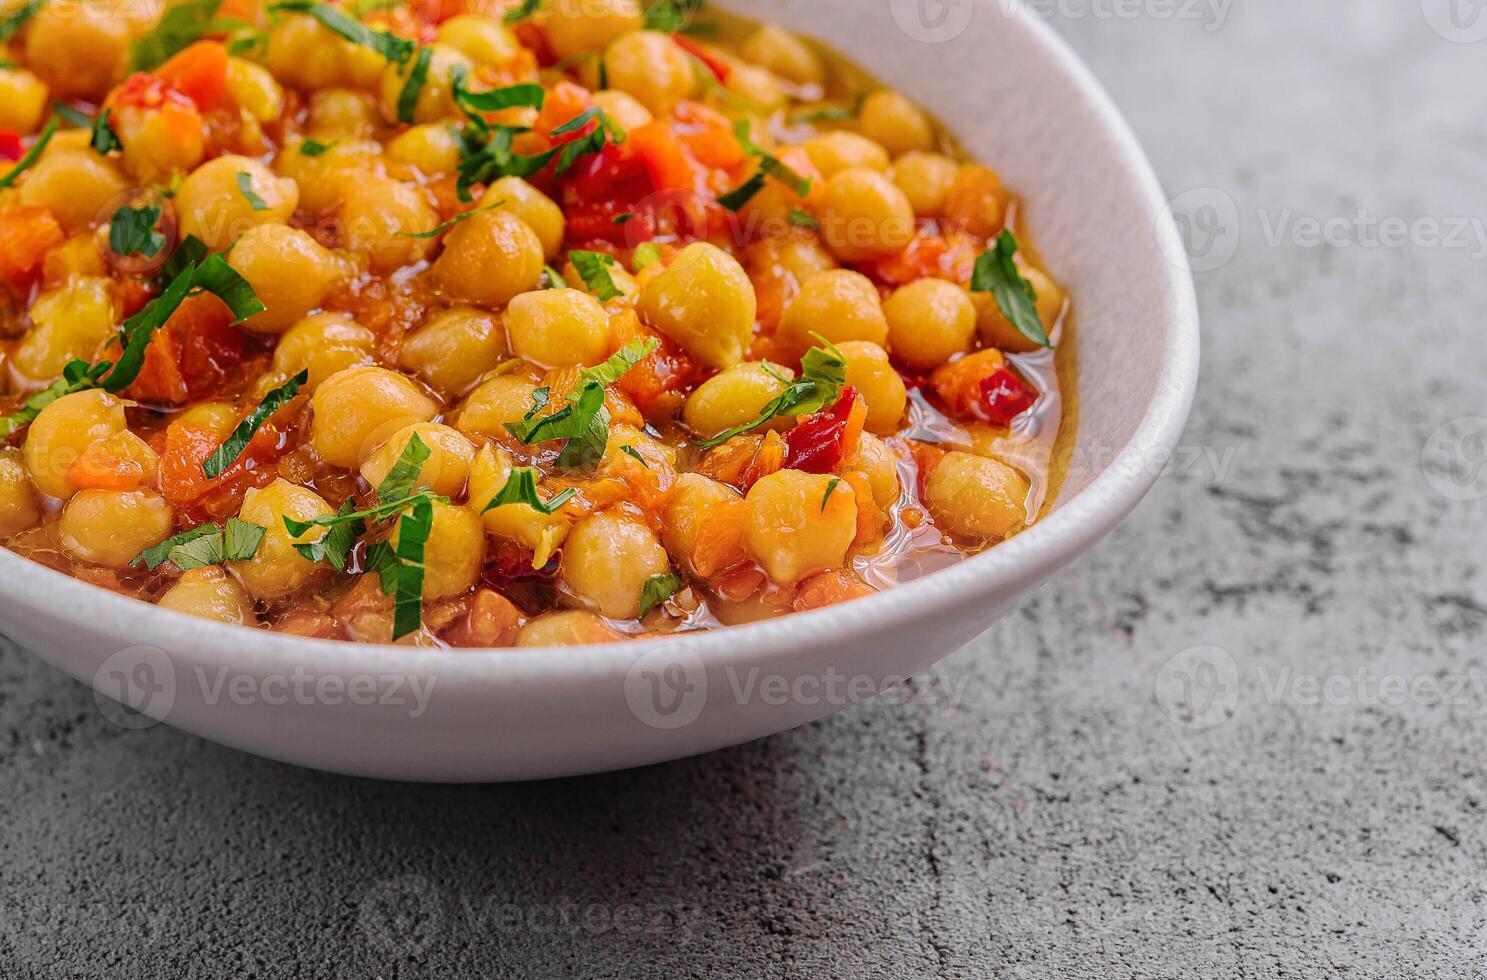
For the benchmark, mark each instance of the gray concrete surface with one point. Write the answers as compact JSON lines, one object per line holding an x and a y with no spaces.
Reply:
{"x":1316,"y":811}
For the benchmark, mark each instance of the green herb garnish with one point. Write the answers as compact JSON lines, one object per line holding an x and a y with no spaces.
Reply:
{"x":401,"y":479}
{"x":802,"y":219}
{"x":656,"y":590}
{"x":646,"y":253}
{"x":417,"y":76}
{"x":395,"y":49}
{"x":593,"y":269}
{"x":555,"y":278}
{"x":527,"y":95}
{"x":227,"y":453}
{"x":180,"y":26}
{"x":670,"y":16}
{"x":743,"y":193}
{"x":205,"y":544}
{"x":76,"y":376}
{"x":15,"y":21}
{"x":400,"y":566}
{"x":104,"y":138}
{"x":997,"y":274}
{"x":634,"y":453}
{"x":823,"y":372}
{"x":527,"y":9}
{"x":245,"y":187}
{"x":32,"y":155}
{"x":313,"y":148}
{"x":462,"y":216}
{"x":835,"y":482}
{"x":131,"y":231}
{"x":521,"y":488}
{"x":616,"y":365}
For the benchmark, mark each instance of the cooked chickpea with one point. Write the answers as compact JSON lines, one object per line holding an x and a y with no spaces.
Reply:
{"x":79,"y":49}
{"x":380,"y":217}
{"x":75,"y":185}
{"x":754,"y":84}
{"x":976,"y":497}
{"x":877,"y":462}
{"x":839,"y":305}
{"x":504,"y":398}
{"x":68,"y":322}
{"x":159,"y":142}
{"x":289,"y":270}
{"x":541,"y":532}
{"x":431,"y":149}
{"x":607,"y":559}
{"x":580,"y":26}
{"x":558,"y":328}
{"x":322,"y":178}
{"x":896,"y":123}
{"x":19,"y":508}
{"x":303,"y":53}
{"x":111,"y":527}
{"x":436,"y":96}
{"x":622,"y":108}
{"x":22,"y":100}
{"x":863,"y":214}
{"x":784,"y":54}
{"x":650,"y":66}
{"x":252,"y":87}
{"x":536,"y":209}
{"x":999,"y":332}
{"x":359,"y":409}
{"x":840,"y":150}
{"x":210,"y":593}
{"x":880,"y":386}
{"x":483,"y":39}
{"x":62,"y":430}
{"x":929,"y":322}
{"x":733,"y":397}
{"x":795,"y":528}
{"x":705,"y":302}
{"x":213,"y":203}
{"x":490,"y":258}
{"x":276,"y":569}
{"x":691,"y":499}
{"x":976,"y":201}
{"x":128,"y":447}
{"x":454,"y":348}
{"x":453,"y":553}
{"x":323,"y":345}
{"x":444,"y":472}
{"x":569,"y":628}
{"x":342,"y":113}
{"x":925,"y":179}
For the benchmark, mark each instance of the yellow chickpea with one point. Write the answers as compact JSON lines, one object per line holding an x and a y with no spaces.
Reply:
{"x":111,"y":527}
{"x":359,"y":409}
{"x":976,"y":201}
{"x":504,"y":398}
{"x":22,"y":100}
{"x":436,"y":97}
{"x":650,"y":66}
{"x":75,"y":185}
{"x":579,"y":26}
{"x":303,"y":53}
{"x":453,"y":553}
{"x":210,"y":593}
{"x":77,"y":256}
{"x":755,"y":84}
{"x":62,"y":430}
{"x":896,"y":123}
{"x":444,"y":472}
{"x":290,"y":272}
{"x":795,"y":528}
{"x":454,"y":348}
{"x":536,"y":209}
{"x":880,"y":386}
{"x":976,"y":497}
{"x":127,"y":446}
{"x":839,"y":305}
{"x":541,"y":532}
{"x":925,"y":179}
{"x":929,"y":322}
{"x":79,"y":49}
{"x":342,"y":113}
{"x":999,"y":332}
{"x":733,"y":397}
{"x":877,"y":462}
{"x":322,"y":178}
{"x":485,"y":40}
{"x":252,"y":87}
{"x":19,"y":508}
{"x":430,"y":148}
{"x":490,"y":258}
{"x":623,"y":108}
{"x":863,"y":214}
{"x":568,"y":628}
{"x":214,"y":204}
{"x":156,"y":145}
{"x":691,"y":499}
{"x":607,"y":559}
{"x":784,"y":54}
{"x":276,"y":569}
{"x":323,"y":345}
{"x":558,"y":328}
{"x":840,"y":150}
{"x":380,"y":217}
{"x":69,"y":322}
{"x":705,"y":302}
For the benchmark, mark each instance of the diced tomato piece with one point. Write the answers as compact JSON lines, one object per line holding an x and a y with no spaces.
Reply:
{"x":192,"y":355}
{"x":187,"y":447}
{"x":829,"y":588}
{"x":159,"y":381}
{"x":10,"y":144}
{"x":26,"y":234}
{"x":492,"y":620}
{"x":1004,"y":396}
{"x":665,"y":157}
{"x":958,"y":383}
{"x":658,"y":383}
{"x":720,"y":69}
{"x":565,"y":102}
{"x":609,"y":173}
{"x":199,"y":72}
{"x":707,"y":134}
{"x":819,"y":443}
{"x":96,"y":468}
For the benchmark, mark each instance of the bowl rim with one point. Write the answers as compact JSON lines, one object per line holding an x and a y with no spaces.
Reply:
{"x":1026,"y":559}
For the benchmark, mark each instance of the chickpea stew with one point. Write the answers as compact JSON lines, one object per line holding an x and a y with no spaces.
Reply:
{"x":483,"y":323}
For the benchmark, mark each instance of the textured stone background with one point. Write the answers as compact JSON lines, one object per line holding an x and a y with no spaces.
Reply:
{"x":1071,"y":816}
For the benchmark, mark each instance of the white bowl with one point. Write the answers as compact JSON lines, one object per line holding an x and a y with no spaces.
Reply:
{"x":1018,"y":99}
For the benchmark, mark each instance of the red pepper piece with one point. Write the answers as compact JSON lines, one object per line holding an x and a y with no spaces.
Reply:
{"x":815,"y":445}
{"x":10,"y":144}
{"x":1004,"y":396}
